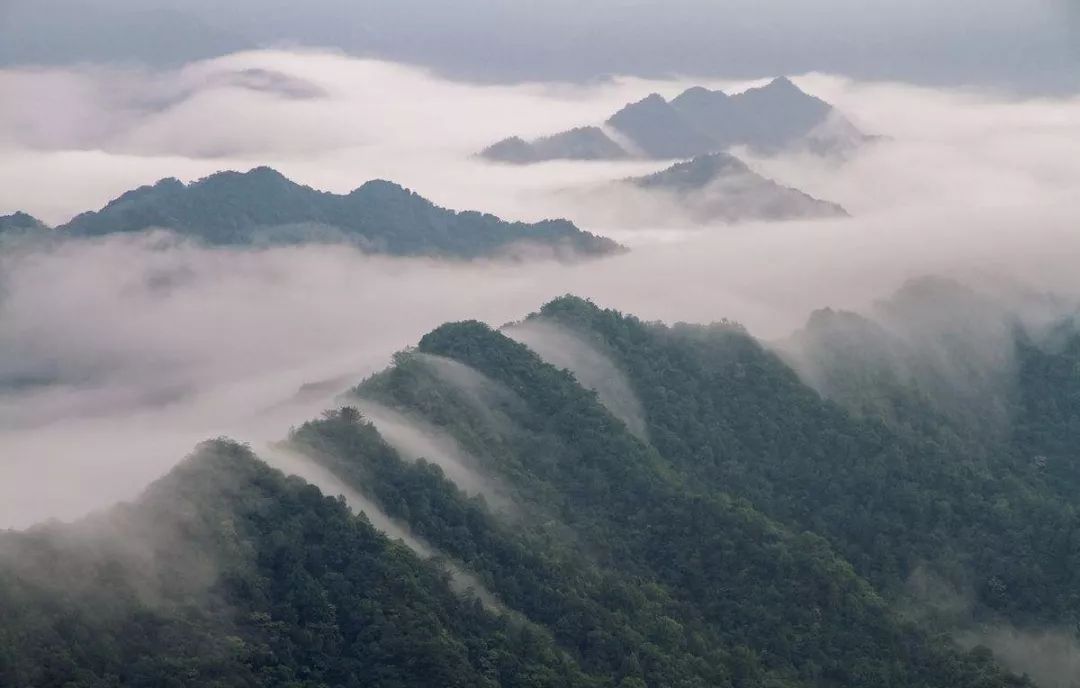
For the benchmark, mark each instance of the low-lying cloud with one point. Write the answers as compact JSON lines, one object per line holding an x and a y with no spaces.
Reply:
{"x":118,"y":355}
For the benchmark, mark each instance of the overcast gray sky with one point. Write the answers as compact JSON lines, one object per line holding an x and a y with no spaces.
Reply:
{"x":1019,"y":45}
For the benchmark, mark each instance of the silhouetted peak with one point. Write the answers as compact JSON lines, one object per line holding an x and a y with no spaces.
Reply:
{"x":510,"y":141}
{"x":652,"y":100}
{"x":453,"y":336}
{"x":569,"y":302}
{"x":382,"y":188}
{"x":20,"y":220}
{"x":694,"y":174}
{"x":782,"y":83}
{"x":699,"y":94}
{"x":258,"y":176}
{"x":264,"y":172}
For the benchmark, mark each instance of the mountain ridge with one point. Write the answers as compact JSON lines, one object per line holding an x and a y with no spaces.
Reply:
{"x":771,"y":118}
{"x":752,"y":533}
{"x":262,"y":206}
{"x":720,"y":187}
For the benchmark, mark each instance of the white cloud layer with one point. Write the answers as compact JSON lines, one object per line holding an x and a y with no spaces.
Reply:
{"x":129,"y":350}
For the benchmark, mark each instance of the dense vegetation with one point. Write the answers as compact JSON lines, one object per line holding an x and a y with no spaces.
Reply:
{"x":228,"y":574}
{"x":769,"y":593}
{"x":753,"y":534}
{"x":263,"y":207}
{"x":734,"y":416}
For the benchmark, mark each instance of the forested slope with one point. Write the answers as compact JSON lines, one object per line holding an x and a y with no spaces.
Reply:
{"x":749,"y":533}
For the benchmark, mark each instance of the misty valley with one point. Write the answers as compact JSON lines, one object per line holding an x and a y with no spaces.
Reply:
{"x":564,"y":346}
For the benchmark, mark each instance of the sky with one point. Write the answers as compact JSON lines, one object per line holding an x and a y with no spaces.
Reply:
{"x":1017,"y":46}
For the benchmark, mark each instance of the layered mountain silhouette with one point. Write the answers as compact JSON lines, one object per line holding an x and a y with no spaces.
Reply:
{"x":719,"y":186}
{"x":263,"y":207}
{"x":771,"y":118}
{"x":20,"y":222}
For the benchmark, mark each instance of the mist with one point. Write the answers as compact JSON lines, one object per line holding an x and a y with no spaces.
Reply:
{"x":1049,"y":656}
{"x":293,"y":462}
{"x":415,"y":439}
{"x":118,"y":355}
{"x":593,"y":370}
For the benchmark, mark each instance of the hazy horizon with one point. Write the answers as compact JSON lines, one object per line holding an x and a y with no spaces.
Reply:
{"x":1016,"y":46}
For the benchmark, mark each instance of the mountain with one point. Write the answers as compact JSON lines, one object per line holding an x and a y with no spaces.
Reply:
{"x":933,"y":345}
{"x":263,"y":207}
{"x":227,"y":573}
{"x":772,"y":118}
{"x":719,"y":186}
{"x":655,"y":505}
{"x":906,"y":504}
{"x":583,"y":143}
{"x":775,"y":116}
{"x":20,"y":222}
{"x":659,"y":130}
{"x":712,"y":112}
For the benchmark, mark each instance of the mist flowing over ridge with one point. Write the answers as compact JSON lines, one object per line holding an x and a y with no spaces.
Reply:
{"x":789,"y":398}
{"x":602,"y":479}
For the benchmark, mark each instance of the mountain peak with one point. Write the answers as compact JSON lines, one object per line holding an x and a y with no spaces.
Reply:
{"x":20,"y":220}
{"x":781,"y":87}
{"x":579,"y":143}
{"x":264,"y":172}
{"x":383,"y":188}
{"x":256,"y":175}
{"x":782,"y":82}
{"x":652,"y":100}
{"x":699,"y":94}
{"x":695,"y":173}
{"x":660,"y":130}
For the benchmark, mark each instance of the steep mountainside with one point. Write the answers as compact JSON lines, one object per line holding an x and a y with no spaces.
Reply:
{"x":891,"y":500}
{"x":225,"y":573}
{"x":634,"y":510}
{"x":263,"y":207}
{"x":730,"y":527}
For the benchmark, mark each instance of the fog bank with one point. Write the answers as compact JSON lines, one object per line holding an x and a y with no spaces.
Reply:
{"x":118,"y":355}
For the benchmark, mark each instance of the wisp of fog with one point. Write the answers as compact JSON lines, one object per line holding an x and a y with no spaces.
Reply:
{"x":117,"y":355}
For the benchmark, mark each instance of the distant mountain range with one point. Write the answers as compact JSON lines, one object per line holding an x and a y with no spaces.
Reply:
{"x":771,"y":118}
{"x":262,"y":207}
{"x":19,"y":222}
{"x":719,"y":186}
